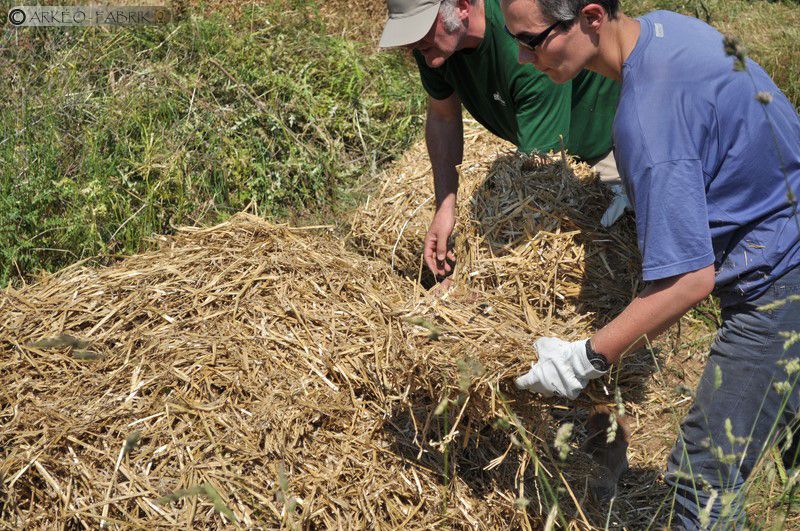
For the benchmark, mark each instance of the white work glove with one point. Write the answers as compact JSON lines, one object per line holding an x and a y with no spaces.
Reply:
{"x":563,"y":368}
{"x":617,"y":207}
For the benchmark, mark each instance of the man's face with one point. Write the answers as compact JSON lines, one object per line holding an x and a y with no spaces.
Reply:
{"x":565,"y":51}
{"x":439,"y":44}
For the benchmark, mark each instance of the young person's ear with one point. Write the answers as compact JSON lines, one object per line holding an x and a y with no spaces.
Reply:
{"x":593,"y":15}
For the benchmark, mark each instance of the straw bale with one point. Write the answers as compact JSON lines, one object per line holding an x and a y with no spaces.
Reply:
{"x":264,"y":373}
{"x":529,"y":226}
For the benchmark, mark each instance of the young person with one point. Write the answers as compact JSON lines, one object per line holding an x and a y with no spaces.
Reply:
{"x":712,"y":170}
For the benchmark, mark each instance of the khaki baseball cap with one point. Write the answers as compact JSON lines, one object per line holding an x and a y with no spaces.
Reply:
{"x":409,"y":21}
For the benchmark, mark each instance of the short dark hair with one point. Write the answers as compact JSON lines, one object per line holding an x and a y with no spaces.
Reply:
{"x":568,"y":10}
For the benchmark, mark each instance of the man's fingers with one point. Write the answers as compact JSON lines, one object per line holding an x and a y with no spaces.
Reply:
{"x":437,"y":257}
{"x":525,"y":381}
{"x":533,"y":382}
{"x":431,"y":263}
{"x":613,"y":212}
{"x":441,"y":248}
{"x":441,"y":288}
{"x":441,"y":254}
{"x":617,"y":208}
{"x":429,"y":254}
{"x":449,"y":261}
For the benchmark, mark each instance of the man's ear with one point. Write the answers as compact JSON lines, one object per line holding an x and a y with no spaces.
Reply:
{"x":594,"y":15}
{"x":464,"y":8}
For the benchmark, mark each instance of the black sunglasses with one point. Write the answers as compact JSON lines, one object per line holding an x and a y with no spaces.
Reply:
{"x":532,"y":41}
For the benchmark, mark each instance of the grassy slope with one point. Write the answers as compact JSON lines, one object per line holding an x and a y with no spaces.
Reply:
{"x":115,"y":135}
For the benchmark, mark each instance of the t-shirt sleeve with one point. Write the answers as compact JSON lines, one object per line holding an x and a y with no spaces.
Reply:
{"x":543,"y":112}
{"x":671,"y":218}
{"x":432,"y":80}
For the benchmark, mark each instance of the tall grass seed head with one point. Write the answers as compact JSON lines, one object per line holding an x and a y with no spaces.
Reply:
{"x":788,"y":438}
{"x":563,"y":436}
{"x":611,"y":433}
{"x":442,"y":407}
{"x":782,"y":388}
{"x":705,"y":512}
{"x":792,"y":366}
{"x":734,"y":47}
{"x":764,"y":97}
{"x":618,"y":400}
{"x":727,"y":500}
{"x":468,"y":370}
{"x":733,"y":439}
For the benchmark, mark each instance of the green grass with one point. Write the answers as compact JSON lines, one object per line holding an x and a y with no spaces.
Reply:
{"x":109,"y":136}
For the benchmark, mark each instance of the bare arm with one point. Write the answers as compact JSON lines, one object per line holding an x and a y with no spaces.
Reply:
{"x":659,"y":306}
{"x":444,"y":137}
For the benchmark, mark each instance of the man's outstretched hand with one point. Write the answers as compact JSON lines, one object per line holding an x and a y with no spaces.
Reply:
{"x":438,"y":257}
{"x":563,"y":369}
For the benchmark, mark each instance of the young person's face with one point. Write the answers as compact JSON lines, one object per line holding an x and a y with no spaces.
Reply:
{"x":567,"y":48}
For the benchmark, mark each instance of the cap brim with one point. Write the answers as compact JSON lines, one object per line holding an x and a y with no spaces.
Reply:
{"x":408,"y":30}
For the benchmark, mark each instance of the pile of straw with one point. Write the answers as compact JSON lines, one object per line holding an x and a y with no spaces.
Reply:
{"x":251,"y":372}
{"x":267,"y":375}
{"x":529,"y":227}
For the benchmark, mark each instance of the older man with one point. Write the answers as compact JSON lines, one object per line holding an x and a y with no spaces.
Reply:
{"x":709,"y":152}
{"x":466,"y":57}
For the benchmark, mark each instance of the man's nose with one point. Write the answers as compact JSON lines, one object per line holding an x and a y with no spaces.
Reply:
{"x":526,"y":55}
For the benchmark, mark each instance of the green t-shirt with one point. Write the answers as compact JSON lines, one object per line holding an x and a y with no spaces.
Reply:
{"x":520,"y":104}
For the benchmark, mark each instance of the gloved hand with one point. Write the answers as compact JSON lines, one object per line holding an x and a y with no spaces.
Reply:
{"x":563,"y":368}
{"x":617,"y":207}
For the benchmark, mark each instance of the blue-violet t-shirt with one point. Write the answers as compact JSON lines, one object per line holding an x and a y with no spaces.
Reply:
{"x":701,"y":162}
